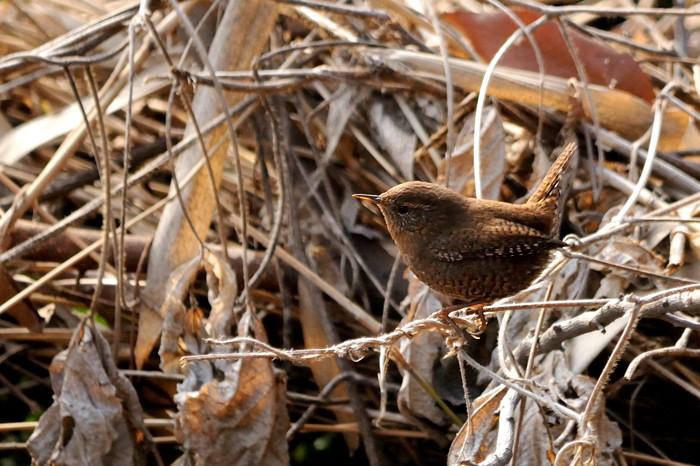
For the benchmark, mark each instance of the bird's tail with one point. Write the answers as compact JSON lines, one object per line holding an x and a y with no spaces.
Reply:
{"x":550,"y":195}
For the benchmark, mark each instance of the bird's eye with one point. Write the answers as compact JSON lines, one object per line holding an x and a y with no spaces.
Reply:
{"x":402,"y":210}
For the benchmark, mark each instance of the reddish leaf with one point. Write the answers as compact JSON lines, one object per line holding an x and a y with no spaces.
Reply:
{"x":604,"y":66}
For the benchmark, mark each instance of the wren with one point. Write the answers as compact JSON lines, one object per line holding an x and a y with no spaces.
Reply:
{"x":474,"y":249}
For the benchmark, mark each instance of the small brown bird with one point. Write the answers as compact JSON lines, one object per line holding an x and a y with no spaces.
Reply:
{"x":475,"y":249}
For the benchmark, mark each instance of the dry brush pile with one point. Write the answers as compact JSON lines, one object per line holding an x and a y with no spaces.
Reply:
{"x":186,"y":278}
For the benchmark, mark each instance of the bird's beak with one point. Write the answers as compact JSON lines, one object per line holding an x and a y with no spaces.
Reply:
{"x":373,"y":198}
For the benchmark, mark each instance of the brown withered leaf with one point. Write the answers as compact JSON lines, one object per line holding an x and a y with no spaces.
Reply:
{"x":626,"y":251}
{"x":222,"y":290}
{"x":574,"y":391}
{"x":149,"y":327}
{"x":422,"y":353}
{"x":96,"y":417}
{"x":311,"y":308}
{"x":24,"y":311}
{"x":340,"y":109}
{"x":583,"y":349}
{"x":239,"y":420}
{"x":177,"y":322}
{"x":603,"y":65}
{"x":473,"y":438}
{"x":175,"y":318}
{"x":478,"y":443}
{"x":616,"y":110}
{"x":493,"y":155}
{"x":394,"y":134}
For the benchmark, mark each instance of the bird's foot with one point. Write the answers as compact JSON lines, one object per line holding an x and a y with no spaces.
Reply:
{"x":471,"y":318}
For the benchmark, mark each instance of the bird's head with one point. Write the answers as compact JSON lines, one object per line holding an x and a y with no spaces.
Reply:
{"x":414,"y":208}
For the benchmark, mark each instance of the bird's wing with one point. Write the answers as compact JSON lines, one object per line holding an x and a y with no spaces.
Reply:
{"x":496,"y":238}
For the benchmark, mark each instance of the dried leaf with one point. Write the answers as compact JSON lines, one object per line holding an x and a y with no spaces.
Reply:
{"x":149,"y":328}
{"x":574,"y":391}
{"x":478,"y":442}
{"x":174,"y":313}
{"x":394,"y":134}
{"x":616,"y":110}
{"x":603,"y":65}
{"x":96,"y":418}
{"x":222,"y":291}
{"x":239,"y":420}
{"x":36,"y":132}
{"x":241,"y":36}
{"x":315,"y":336}
{"x":493,"y":155}
{"x":626,"y":251}
{"x":340,"y":109}
{"x":24,"y":311}
{"x":473,"y":438}
{"x":422,"y":353}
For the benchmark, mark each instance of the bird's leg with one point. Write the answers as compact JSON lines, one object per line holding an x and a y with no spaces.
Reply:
{"x":476,"y":307}
{"x":479,"y":309}
{"x":445,"y":312}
